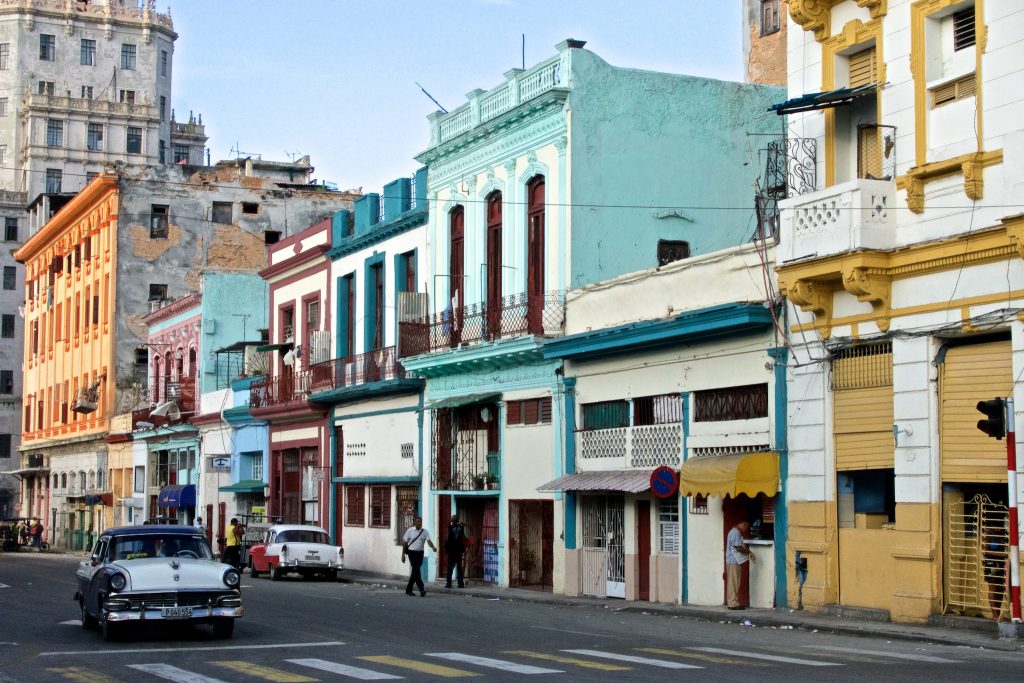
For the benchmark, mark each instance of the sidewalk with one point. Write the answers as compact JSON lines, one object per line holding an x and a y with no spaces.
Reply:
{"x":965,"y":632}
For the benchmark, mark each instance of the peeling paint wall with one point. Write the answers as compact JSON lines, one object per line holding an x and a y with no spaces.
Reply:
{"x":195,"y":244}
{"x":764,"y":55}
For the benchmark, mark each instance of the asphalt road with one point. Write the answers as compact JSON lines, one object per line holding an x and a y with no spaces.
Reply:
{"x":296,"y":631}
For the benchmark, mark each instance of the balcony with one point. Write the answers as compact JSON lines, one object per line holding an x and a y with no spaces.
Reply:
{"x":465,"y":453}
{"x":84,"y":105}
{"x":379,"y":365}
{"x":642,"y":446}
{"x":541,"y":315}
{"x":281,"y":390}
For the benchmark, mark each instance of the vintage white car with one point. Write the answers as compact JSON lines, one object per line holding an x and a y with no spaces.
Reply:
{"x":299,"y":548}
{"x":156,"y":574}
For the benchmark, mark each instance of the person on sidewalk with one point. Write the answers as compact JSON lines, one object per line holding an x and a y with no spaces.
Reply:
{"x":454,"y":550}
{"x":412,"y":545}
{"x":737,"y":556}
{"x":233,"y":547}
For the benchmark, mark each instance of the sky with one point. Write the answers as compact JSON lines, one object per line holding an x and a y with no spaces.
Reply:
{"x":336,"y":79}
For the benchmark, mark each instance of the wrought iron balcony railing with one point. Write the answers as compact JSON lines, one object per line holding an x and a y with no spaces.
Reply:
{"x":379,"y":365}
{"x":518,"y":314}
{"x":280,"y":390}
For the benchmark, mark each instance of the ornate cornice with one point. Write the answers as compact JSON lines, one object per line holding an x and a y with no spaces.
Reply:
{"x":874,"y":286}
{"x":816,"y":15}
{"x":814,"y":297}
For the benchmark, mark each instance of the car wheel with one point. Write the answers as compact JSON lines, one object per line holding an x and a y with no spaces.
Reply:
{"x":332,"y":575}
{"x":306,"y":576}
{"x":88,"y":620}
{"x":276,"y":574}
{"x":252,"y":570}
{"x":223,"y":628}
{"x":111,"y":630}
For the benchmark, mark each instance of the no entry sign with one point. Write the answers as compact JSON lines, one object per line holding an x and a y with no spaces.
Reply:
{"x":664,"y":482}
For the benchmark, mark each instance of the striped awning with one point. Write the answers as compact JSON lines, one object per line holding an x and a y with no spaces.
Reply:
{"x":625,"y":481}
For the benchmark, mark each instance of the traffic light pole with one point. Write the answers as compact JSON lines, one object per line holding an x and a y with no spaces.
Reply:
{"x":1011,"y":479}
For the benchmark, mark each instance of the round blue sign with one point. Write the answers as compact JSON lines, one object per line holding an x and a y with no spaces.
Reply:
{"x":664,"y":482}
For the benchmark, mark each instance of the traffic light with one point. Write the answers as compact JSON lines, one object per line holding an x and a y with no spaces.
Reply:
{"x":995,"y":425}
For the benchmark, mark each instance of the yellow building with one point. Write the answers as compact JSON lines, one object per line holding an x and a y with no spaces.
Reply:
{"x":900,"y":253}
{"x":68,"y":389}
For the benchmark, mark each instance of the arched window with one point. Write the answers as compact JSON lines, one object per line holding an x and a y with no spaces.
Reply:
{"x":193,"y":369}
{"x":74,"y":482}
{"x":535,"y":253}
{"x":63,"y":481}
{"x":55,"y":480}
{"x":494,"y":264}
{"x":92,"y":481}
{"x":81,"y":481}
{"x":99,"y":480}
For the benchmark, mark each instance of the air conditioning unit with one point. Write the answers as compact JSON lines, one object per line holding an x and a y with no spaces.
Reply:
{"x":87,"y":400}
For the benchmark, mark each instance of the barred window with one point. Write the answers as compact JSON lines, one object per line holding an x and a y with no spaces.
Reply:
{"x":699,"y":505}
{"x":658,"y":410}
{"x":380,"y":507}
{"x":605,"y":415}
{"x":355,"y":505}
{"x":407,"y":501}
{"x":733,"y":403}
{"x":668,"y":526}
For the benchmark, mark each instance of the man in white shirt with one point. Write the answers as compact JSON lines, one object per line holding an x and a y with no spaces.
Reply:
{"x":736,"y":556}
{"x":412,"y":545}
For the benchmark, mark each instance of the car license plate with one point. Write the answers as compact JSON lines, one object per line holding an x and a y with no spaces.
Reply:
{"x":312,"y":556}
{"x":176,"y":612}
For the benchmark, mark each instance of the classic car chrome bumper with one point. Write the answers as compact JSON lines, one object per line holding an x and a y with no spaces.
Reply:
{"x":156,"y":614}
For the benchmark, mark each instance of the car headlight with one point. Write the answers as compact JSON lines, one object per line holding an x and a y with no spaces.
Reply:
{"x":117,"y":582}
{"x":231,"y":578}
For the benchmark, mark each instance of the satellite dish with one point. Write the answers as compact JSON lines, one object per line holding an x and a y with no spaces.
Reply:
{"x":168,"y":410}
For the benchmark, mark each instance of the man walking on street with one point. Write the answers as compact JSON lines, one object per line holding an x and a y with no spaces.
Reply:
{"x":454,"y":549}
{"x":736,"y":556}
{"x":412,"y":545}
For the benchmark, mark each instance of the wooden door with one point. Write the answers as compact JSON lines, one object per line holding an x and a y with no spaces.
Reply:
{"x":535,"y":255}
{"x":494,"y":265}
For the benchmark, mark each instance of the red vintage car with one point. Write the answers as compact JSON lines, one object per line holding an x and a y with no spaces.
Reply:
{"x":296,"y":548}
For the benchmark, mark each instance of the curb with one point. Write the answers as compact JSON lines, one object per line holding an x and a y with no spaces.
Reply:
{"x":753,"y":618}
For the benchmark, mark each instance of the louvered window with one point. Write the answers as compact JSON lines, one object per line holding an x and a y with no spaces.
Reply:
{"x":529,"y":411}
{"x":963,"y":29}
{"x":959,"y":89}
{"x":862,"y":68}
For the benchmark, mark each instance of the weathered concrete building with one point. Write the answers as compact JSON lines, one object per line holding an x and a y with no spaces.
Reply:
{"x":122,"y":247}
{"x":764,"y":41}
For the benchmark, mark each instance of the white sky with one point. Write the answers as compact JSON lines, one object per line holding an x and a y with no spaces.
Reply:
{"x":335,"y":79}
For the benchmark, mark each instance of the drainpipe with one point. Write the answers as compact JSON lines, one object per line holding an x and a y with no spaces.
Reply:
{"x":684,"y":513}
{"x":780,"y":356}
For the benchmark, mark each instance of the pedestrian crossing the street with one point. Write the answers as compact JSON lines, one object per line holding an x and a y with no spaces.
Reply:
{"x":576,"y":662}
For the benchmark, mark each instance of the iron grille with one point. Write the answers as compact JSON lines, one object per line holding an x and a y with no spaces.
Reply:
{"x":531,"y":540}
{"x":876,"y":151}
{"x":465,"y":455}
{"x":732,"y":403}
{"x":976,"y":548}
{"x":860,"y":367}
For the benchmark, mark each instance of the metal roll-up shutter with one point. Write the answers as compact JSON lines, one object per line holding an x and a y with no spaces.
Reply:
{"x":862,"y":407}
{"x":972,"y":373}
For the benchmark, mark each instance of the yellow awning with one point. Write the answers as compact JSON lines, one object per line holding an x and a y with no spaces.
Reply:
{"x":731,"y":475}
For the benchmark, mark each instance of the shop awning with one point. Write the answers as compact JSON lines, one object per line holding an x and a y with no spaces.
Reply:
{"x":731,"y":475}
{"x":177,"y":497}
{"x":822,"y":100}
{"x":276,"y":347}
{"x":626,"y":481}
{"x":456,"y":401}
{"x":244,"y":486}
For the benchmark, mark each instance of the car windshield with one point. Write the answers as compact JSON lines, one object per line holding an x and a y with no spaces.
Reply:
{"x":155,"y":545}
{"x":303,"y":536}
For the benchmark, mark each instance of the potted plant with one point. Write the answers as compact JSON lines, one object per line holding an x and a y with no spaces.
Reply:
{"x":492,"y":482}
{"x":478,"y":482}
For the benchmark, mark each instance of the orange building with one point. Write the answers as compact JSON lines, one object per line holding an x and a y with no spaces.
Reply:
{"x":67,"y":392}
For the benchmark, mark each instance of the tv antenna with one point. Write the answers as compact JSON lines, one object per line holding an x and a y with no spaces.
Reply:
{"x":293,"y":155}
{"x":239,"y":153}
{"x":443,"y":110}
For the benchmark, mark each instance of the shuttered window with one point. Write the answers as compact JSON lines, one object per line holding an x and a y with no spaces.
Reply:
{"x":863,"y":407}
{"x":530,"y":411}
{"x":862,"y":68}
{"x":972,"y":373}
{"x":959,"y":89}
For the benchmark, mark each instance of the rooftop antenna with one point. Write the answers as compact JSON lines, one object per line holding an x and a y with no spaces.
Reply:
{"x":239,"y":153}
{"x":524,"y":52}
{"x":293,"y":155}
{"x":443,"y":110}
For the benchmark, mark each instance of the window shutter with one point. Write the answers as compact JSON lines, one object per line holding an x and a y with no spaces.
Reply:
{"x":514,"y":413}
{"x":966,"y":87}
{"x":944,"y":93}
{"x":530,"y":411}
{"x":545,"y":410}
{"x":862,"y":68}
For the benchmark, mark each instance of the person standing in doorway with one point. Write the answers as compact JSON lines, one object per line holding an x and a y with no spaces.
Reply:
{"x":737,"y":556}
{"x":233,"y":545}
{"x":454,"y":550}
{"x":200,"y":525}
{"x":412,"y":545}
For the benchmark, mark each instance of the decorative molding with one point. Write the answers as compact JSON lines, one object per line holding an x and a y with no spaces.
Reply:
{"x":878,"y":8}
{"x":813,"y":15}
{"x":971,"y":166}
{"x":874,"y":286}
{"x":814,"y":297}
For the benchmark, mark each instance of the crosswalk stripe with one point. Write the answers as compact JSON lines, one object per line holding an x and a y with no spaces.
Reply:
{"x":173,"y":673}
{"x":694,"y":655}
{"x":768,"y":658}
{"x":344,"y":669}
{"x":265,"y":672}
{"x":586,"y":664}
{"x":663,"y":663}
{"x":883,"y":653}
{"x":81,"y":675}
{"x":488,"y":662}
{"x":422,"y":667}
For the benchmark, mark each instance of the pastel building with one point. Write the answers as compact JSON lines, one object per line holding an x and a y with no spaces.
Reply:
{"x":556,"y":178}
{"x":899,"y":256}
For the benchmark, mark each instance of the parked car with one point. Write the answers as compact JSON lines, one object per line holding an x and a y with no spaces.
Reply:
{"x":156,"y":573}
{"x":302,"y":549}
